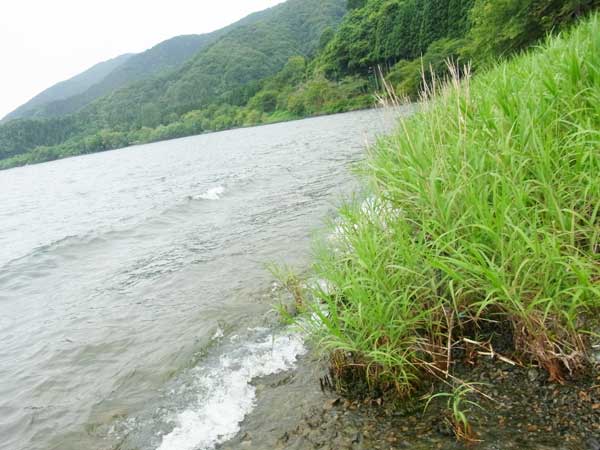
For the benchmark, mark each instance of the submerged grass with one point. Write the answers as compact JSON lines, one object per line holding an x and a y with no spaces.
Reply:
{"x":483,"y":207}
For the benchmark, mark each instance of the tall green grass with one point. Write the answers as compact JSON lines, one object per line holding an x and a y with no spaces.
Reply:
{"x":483,"y":208}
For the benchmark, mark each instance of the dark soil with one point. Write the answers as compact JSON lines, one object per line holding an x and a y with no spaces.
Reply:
{"x":527,"y":413}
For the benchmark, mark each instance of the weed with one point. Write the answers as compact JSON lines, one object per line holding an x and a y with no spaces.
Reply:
{"x":458,"y":404}
{"x":294,"y":286}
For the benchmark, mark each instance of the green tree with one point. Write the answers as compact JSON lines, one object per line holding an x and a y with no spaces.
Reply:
{"x":503,"y":27}
{"x":150,"y":115}
{"x":355,"y":4}
{"x":264,"y":101}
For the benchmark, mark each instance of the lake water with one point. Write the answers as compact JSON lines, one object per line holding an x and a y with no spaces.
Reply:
{"x":134,"y":299}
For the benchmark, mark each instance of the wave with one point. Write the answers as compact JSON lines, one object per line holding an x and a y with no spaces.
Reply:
{"x":107,"y":233}
{"x":226,"y":394}
{"x":43,"y":250}
{"x":214,"y":193}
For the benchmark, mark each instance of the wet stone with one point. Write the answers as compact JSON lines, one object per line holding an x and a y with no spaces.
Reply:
{"x":528,"y":413}
{"x":593,"y":444}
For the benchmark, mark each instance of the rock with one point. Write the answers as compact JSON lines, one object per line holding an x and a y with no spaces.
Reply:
{"x":285,"y":438}
{"x":313,"y":422}
{"x":300,"y":444}
{"x":532,"y":374}
{"x":341,"y":442}
{"x":316,"y":437}
{"x":330,"y":404}
{"x":443,"y":428}
{"x":351,"y":430}
{"x":593,"y":444}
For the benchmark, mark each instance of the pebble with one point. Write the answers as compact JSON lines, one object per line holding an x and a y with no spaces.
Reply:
{"x":532,"y":374}
{"x":525,"y":413}
{"x":593,"y":444}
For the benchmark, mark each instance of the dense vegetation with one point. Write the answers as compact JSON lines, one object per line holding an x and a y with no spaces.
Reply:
{"x":159,"y":59}
{"x":72,"y":95}
{"x":482,"y":213}
{"x":291,"y":61}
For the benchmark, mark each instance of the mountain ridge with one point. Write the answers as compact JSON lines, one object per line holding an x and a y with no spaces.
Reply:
{"x":69,"y":87}
{"x":161,"y":58}
{"x":248,"y":53}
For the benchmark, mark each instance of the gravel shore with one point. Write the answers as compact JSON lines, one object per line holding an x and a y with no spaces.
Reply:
{"x":527,"y":413}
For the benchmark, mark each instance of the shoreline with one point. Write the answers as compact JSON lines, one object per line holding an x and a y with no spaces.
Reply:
{"x":8,"y":166}
{"x":461,"y":298}
{"x":527,"y":413}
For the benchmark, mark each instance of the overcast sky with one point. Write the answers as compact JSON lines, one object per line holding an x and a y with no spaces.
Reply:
{"x":43,"y":42}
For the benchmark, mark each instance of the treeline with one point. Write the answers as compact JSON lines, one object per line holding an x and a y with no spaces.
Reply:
{"x":384,"y":32}
{"x":412,"y":40}
{"x":299,"y":63}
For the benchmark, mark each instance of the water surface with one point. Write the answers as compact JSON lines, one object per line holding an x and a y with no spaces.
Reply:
{"x":133,"y":289}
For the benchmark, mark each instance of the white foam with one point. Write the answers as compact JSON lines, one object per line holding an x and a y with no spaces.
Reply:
{"x":214,"y":193}
{"x":375,"y":211}
{"x":227,"y":395}
{"x":218,"y":334}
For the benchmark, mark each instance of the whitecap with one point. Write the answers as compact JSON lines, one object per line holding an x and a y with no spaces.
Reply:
{"x":219,"y":333}
{"x":226,"y":395}
{"x":214,"y":193}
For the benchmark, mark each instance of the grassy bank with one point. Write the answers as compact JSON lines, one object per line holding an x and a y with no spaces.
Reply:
{"x":482,"y":221}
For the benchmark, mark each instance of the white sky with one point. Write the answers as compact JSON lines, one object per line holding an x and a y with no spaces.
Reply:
{"x":43,"y":42}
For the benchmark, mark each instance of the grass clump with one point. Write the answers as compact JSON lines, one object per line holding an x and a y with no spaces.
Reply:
{"x":294,"y":288}
{"x":458,"y":404}
{"x":483,"y":208}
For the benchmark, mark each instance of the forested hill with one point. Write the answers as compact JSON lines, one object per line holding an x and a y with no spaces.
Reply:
{"x":71,"y":95}
{"x":68,"y":88}
{"x":300,"y":58}
{"x":163,"y":57}
{"x":226,"y":70}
